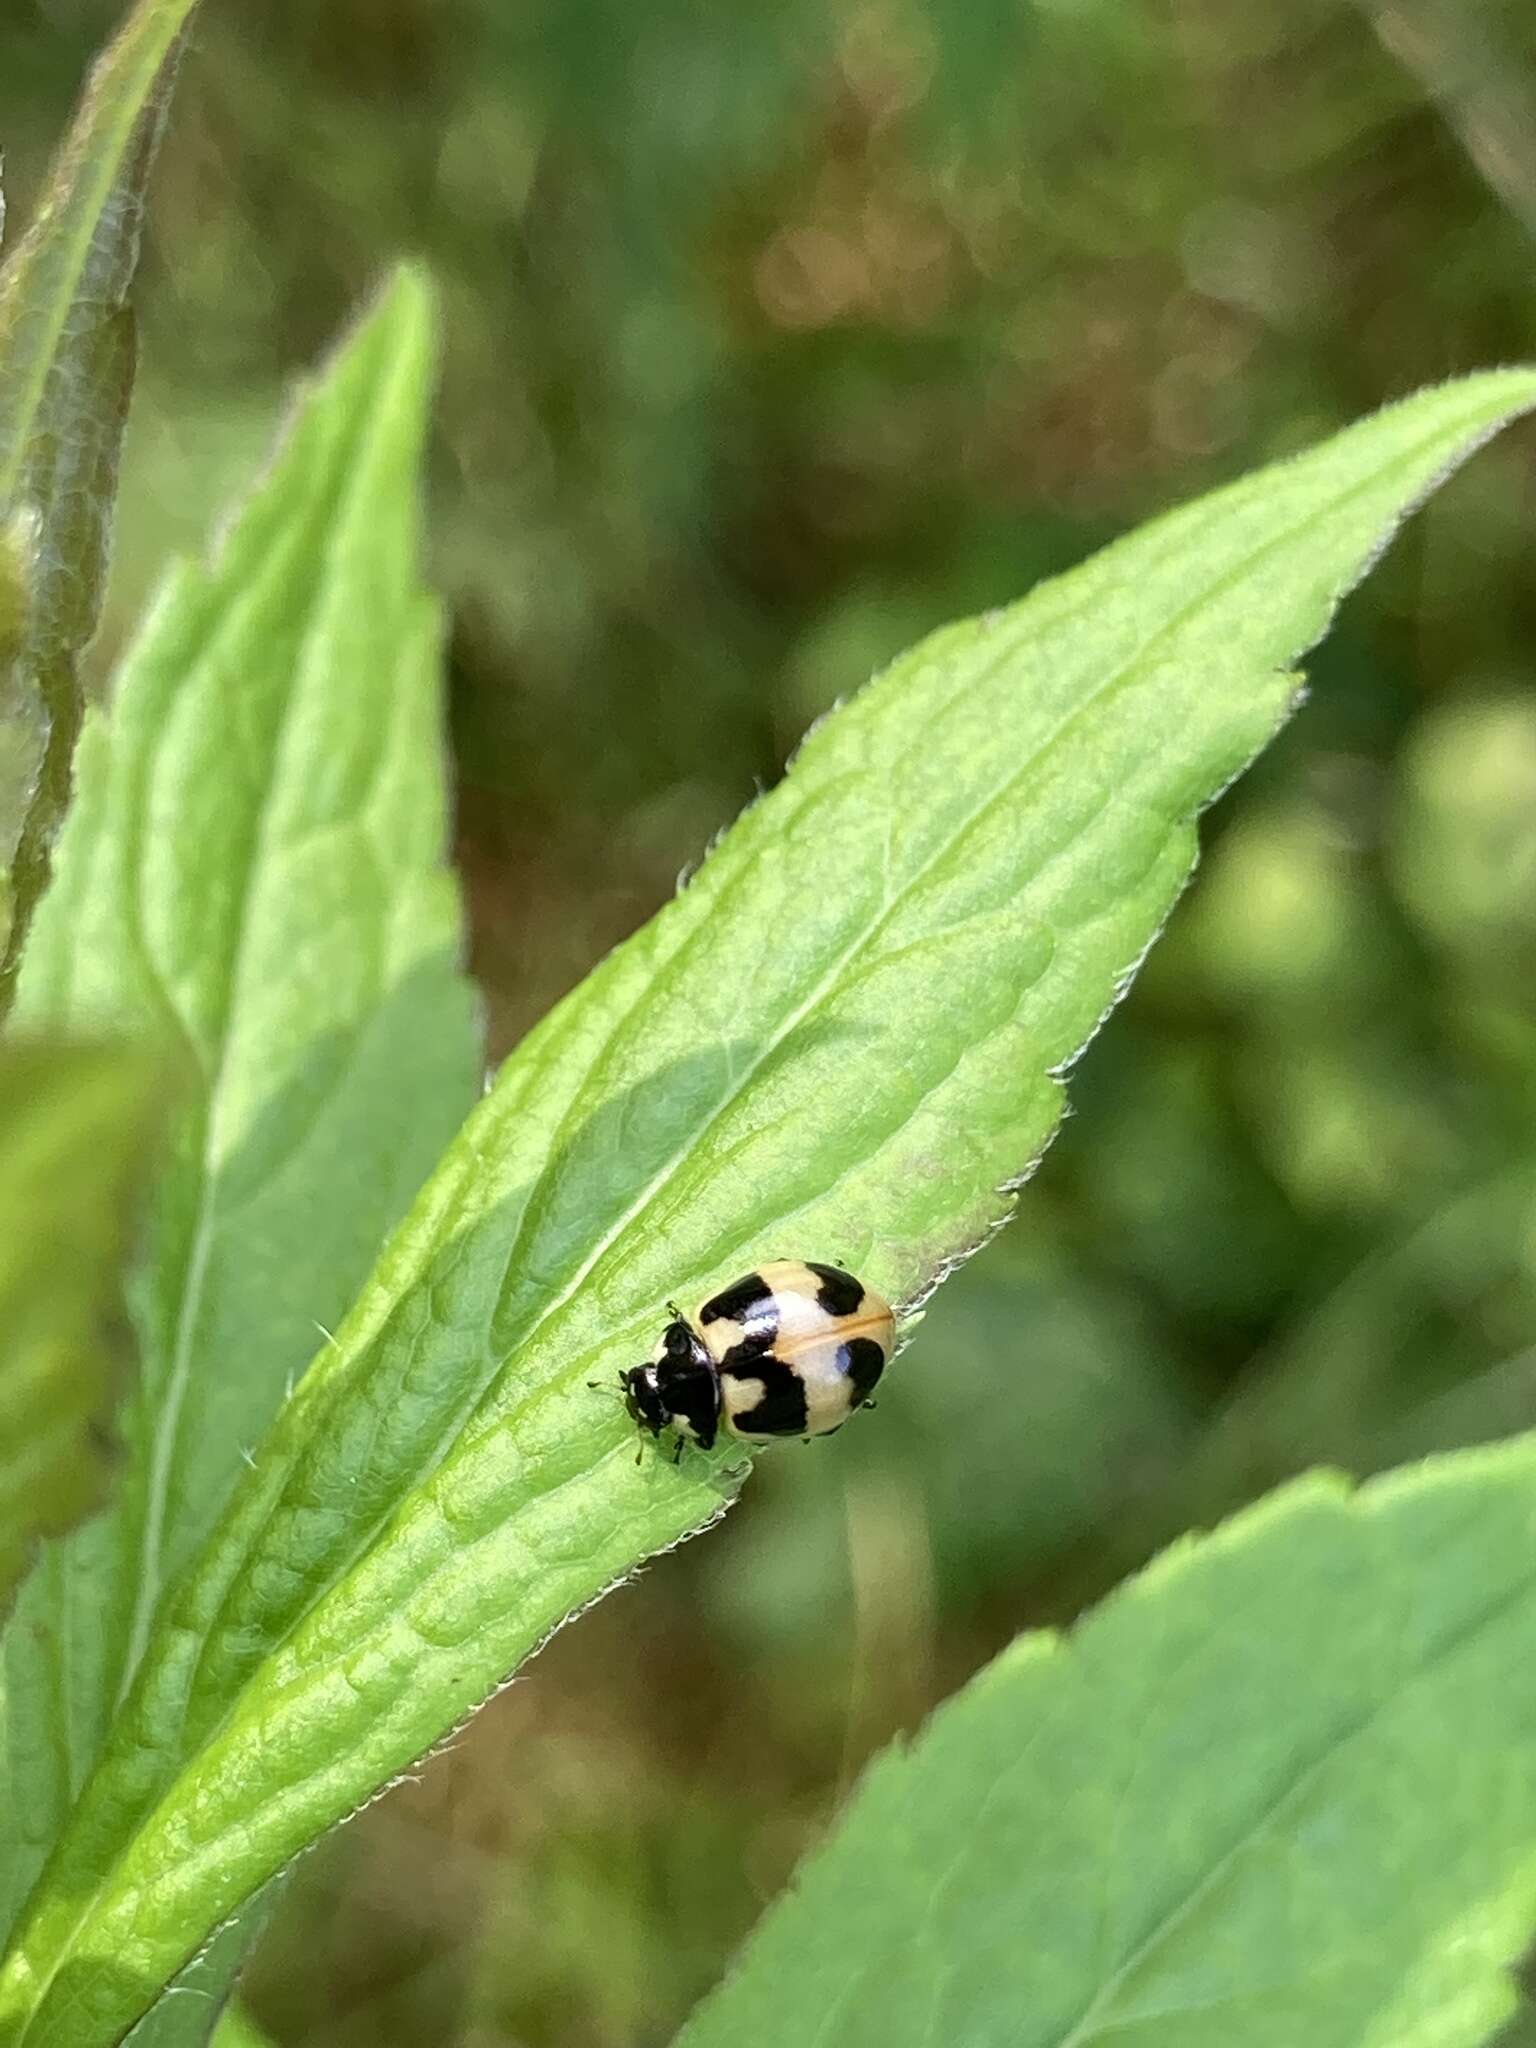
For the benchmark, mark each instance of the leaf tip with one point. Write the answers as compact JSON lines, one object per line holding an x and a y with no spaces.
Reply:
{"x":405,"y":308}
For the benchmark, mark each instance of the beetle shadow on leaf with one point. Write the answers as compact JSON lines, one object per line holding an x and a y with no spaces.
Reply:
{"x":435,"y":1364}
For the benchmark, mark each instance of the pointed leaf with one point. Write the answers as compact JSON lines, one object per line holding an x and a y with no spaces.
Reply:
{"x":66,"y":368}
{"x":1279,"y":1788}
{"x":840,"y":1040}
{"x":254,"y":864}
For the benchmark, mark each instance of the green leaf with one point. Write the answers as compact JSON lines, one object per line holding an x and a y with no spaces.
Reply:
{"x":1279,"y":1788}
{"x":254,"y":867}
{"x":196,"y":2010}
{"x":840,"y":1040}
{"x":66,"y":369}
{"x":15,"y":562}
{"x":238,"y":2030}
{"x":74,"y":1121}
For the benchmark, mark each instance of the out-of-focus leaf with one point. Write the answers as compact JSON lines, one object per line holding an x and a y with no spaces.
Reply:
{"x":74,"y":1123}
{"x":238,"y":2030}
{"x":254,"y":865}
{"x":842,"y":1039}
{"x":1521,"y":2031}
{"x":1279,"y":1788}
{"x":1464,"y":843}
{"x":15,"y":552}
{"x":66,"y":369}
{"x":195,"y":2010}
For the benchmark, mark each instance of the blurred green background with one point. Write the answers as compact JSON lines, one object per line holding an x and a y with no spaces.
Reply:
{"x":776,"y":334}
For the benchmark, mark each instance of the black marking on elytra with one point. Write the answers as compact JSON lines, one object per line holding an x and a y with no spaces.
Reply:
{"x":781,"y":1410}
{"x":863,"y":1360}
{"x":748,"y":1301}
{"x":839,"y":1293}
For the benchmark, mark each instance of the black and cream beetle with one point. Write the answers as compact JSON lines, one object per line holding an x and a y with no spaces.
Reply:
{"x":789,"y":1350}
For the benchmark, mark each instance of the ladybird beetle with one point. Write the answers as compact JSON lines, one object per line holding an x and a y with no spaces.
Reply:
{"x":788,"y":1350}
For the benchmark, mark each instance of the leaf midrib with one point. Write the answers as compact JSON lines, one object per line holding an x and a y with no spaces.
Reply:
{"x":1084,"y":2029}
{"x":1092,"y":2024}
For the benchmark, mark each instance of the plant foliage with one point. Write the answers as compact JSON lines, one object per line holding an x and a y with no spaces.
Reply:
{"x":843,"y":1038}
{"x":1278,"y":1788}
{"x":74,"y":1124}
{"x":253,"y":872}
{"x":66,"y":369}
